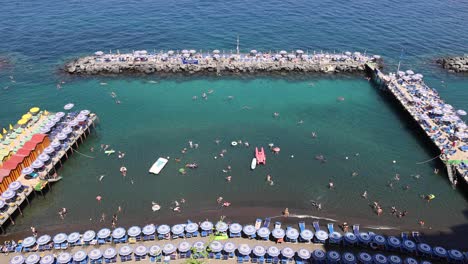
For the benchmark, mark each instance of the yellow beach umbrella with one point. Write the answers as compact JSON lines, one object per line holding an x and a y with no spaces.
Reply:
{"x":4,"y":131}
{"x":45,"y":112}
{"x":11,"y":127}
{"x":34,"y":110}
{"x":22,"y":121}
{"x":1,"y":137}
{"x":26,"y":116}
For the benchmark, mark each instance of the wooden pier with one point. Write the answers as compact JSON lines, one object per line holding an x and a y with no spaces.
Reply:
{"x":450,"y":146}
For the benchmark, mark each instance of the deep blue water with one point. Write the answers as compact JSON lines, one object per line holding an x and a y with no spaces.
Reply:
{"x":158,"y":119}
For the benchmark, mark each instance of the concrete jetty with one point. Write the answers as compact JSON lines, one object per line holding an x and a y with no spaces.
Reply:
{"x":191,"y":62}
{"x":439,"y":120}
{"x":455,"y":64}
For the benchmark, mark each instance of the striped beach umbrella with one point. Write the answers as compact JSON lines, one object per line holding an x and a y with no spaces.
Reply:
{"x":263,"y":232}
{"x":184,"y":246}
{"x":29,"y":241}
{"x":393,"y":242}
{"x":80,"y":255}
{"x":118,"y":233}
{"x":206,"y":226}
{"x":259,"y":251}
{"x":164,"y":229}
{"x":306,"y":234}
{"x":191,"y":228}
{"x":410,"y":261}
{"x":47,"y":259}
{"x":149,"y":229}
{"x":95,"y":254}
{"x":104,"y":233}
{"x":141,"y":250}
{"x":60,"y":238}
{"x":278,"y":233}
{"x":379,"y":240}
{"x":273,"y":251}
{"x":287,"y":252}
{"x":365,"y":257}
{"x":393,"y":259}
{"x":409,"y":245}
{"x":244,"y":249}
{"x":235,"y":228}
{"x":216,"y":246}
{"x":455,"y":255}
{"x":348,"y":258}
{"x":318,"y":255}
{"x":333,"y":256}
{"x":154,"y":250}
{"x":32,"y":259}
{"x":65,"y":257}
{"x":321,"y":235}
{"x":168,"y":249}
{"x":126,"y":250}
{"x":380,"y":259}
{"x":27,"y":171}
{"x":134,"y":231}
{"x":229,"y":247}
{"x":424,"y":248}
{"x":177,"y":229}
{"x":364,"y":238}
{"x":73,"y":237}
{"x":292,"y":233}
{"x":89,"y":235}
{"x":109,"y":253}
{"x":221,"y":226}
{"x":44,"y":239}
{"x":303,"y":254}
{"x":18,"y":259}
{"x":14,"y":186}
{"x":440,"y":252}
{"x":199,"y":246}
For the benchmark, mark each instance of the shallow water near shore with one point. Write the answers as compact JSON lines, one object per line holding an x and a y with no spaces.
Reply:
{"x":157,"y":116}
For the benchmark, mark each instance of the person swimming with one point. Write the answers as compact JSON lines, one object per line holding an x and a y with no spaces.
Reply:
{"x":228,"y":178}
{"x":219,"y":200}
{"x":275,"y":114}
{"x":331,"y":185}
{"x":314,"y":135}
{"x":364,"y":195}
{"x":354,"y":174}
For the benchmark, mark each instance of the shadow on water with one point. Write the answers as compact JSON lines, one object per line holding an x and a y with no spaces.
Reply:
{"x":456,"y":238}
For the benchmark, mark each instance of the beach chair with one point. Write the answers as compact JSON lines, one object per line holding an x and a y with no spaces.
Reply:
{"x":225,"y":257}
{"x":160,"y":236}
{"x":159,"y":259}
{"x":204,"y":233}
{"x":218,"y":255}
{"x":284,"y":260}
{"x":48,"y":247}
{"x":137,"y":258}
{"x":41,"y":248}
{"x":299,"y":261}
{"x":246,"y":258}
{"x":404,"y":236}
{"x":356,"y":230}
{"x":416,"y":236}
{"x":173,"y":256}
{"x":267,"y":222}
{"x":123,"y":259}
{"x":240,"y":259}
{"x":330,"y":228}
{"x":101,"y":241}
{"x":275,"y":260}
{"x":301,"y":226}
{"x":56,"y":246}
{"x":254,"y":259}
{"x":211,"y":255}
{"x":316,"y":226}
{"x":108,"y":260}
{"x":152,"y":259}
{"x":188,"y":235}
{"x":64,"y":245}
{"x":261,"y":260}
{"x":124,"y":239}
{"x":277,"y":224}
{"x":146,"y":238}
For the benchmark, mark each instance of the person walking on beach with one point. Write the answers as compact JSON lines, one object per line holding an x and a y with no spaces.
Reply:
{"x":34,"y":231}
{"x":103,"y":218}
{"x":286,"y":212}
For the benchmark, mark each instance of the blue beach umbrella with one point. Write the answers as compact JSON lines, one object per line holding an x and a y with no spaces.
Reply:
{"x":14,"y":186}
{"x":216,"y":246}
{"x":125,"y":250}
{"x":2,"y":203}
{"x":29,"y":242}
{"x":394,"y":242}
{"x":307,"y":234}
{"x":68,"y":106}
{"x":80,"y":255}
{"x":118,"y":233}
{"x":304,"y":254}
{"x":59,"y":114}
{"x":206,"y":226}
{"x":259,"y":251}
{"x":184,"y":246}
{"x":60,"y":238}
{"x":49,"y":150}
{"x":249,"y":230}
{"x":177,"y":229}
{"x":244,"y":249}
{"x":8,"y":194}
{"x":154,"y":250}
{"x":85,"y":112}
{"x":191,"y":228}
{"x":365,"y":257}
{"x":56,"y":145}
{"x":44,"y":239}
{"x":321,"y":235}
{"x":60,"y":136}
{"x":67,"y":130}
{"x":95,"y":254}
{"x":379,"y":240}
{"x":104,"y":233}
{"x":364,"y":238}
{"x":380,"y":259}
{"x":109,"y":253}
{"x":393,"y":259}
{"x":33,"y":259}
{"x":273,"y":251}
{"x":287,"y":252}
{"x":89,"y":235}
{"x":199,"y":246}
{"x":81,"y":118}
{"x":51,"y":123}
{"x":333,"y":256}
{"x":455,"y":255}
{"x":235,"y":228}
{"x":409,"y":245}
{"x":410,"y":261}
{"x":335,"y":236}
{"x":73,"y":123}
{"x":424,"y":248}
{"x":47,"y":259}
{"x":18,"y":259}
{"x":278,"y":233}
{"x":263,"y":232}
{"x":229,"y":247}
{"x":37,"y":164}
{"x":168,"y":249}
{"x":440,"y":252}
{"x":149,"y":229}
{"x":164,"y":229}
{"x":27,"y":171}
{"x":134,"y":231}
{"x":73,"y":237}
{"x":292,"y":233}
{"x":318,"y":255}
{"x":141,"y":250}
{"x":221,"y":226}
{"x":45,"y":130}
{"x":348,"y":258}
{"x":65,"y":257}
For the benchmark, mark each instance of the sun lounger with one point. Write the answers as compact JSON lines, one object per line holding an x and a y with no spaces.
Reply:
{"x":416,"y":236}
{"x":266,"y":223}
{"x":301,"y":226}
{"x":316,"y":226}
{"x":330,"y":228}
{"x":356,"y":230}
{"x":404,"y":236}
{"x":277,"y":224}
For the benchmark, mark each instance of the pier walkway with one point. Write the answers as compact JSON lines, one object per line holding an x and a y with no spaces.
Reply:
{"x":439,"y":120}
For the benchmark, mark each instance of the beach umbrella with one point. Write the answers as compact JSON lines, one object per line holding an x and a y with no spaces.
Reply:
{"x":171,"y":52}
{"x":304,"y":56}
{"x":184,"y":246}
{"x":199,"y":246}
{"x":216,"y":246}
{"x":164,"y":229}
{"x":235,"y":228}
{"x":287,"y":252}
{"x":318,"y":255}
{"x":437,"y":111}
{"x":118,"y":233}
{"x":283,"y":52}
{"x":299,"y":51}
{"x":184,"y":51}
{"x":278,"y":233}
{"x":249,"y":230}
{"x":37,"y":164}
{"x":8,"y":194}
{"x":244,"y":249}
{"x":379,"y":240}
{"x":409,"y":245}
{"x":85,"y":112}
{"x":216,"y":51}
{"x":303,"y":254}
{"x":89,"y":235}
{"x":376,"y":57}
{"x":154,"y":250}
{"x":27,"y":170}
{"x":168,"y":249}
{"x":141,"y":250}
{"x":206,"y":225}
{"x":393,"y":242}
{"x":109,"y":253}
{"x":394,"y":259}
{"x":461,"y":112}
{"x":380,"y":259}
{"x":321,"y":235}
{"x":348,"y":258}
{"x":81,"y":118}
{"x":192,"y":51}
{"x":278,"y":56}
{"x":221,"y":226}
{"x":32,"y":259}
{"x":365,"y":257}
{"x":73,"y":237}
{"x":440,"y":252}
{"x":143,"y":52}
{"x":65,"y":257}
{"x":18,"y":259}
{"x":43,"y":157}
{"x":125,"y":250}
{"x":424,"y":248}
{"x":42,"y":240}
{"x":95,"y":254}
{"x":229,"y":247}
{"x":2,"y":203}
{"x":61,"y":136}
{"x":104,"y":233}
{"x":410,"y":261}
{"x":291,"y":56}
{"x":177,"y":229}
{"x":292,"y":233}
{"x":50,"y":124}
{"x":350,"y":238}
{"x":45,"y":130}
{"x":29,"y":241}
{"x":134,"y":231}
{"x":59,"y":115}
{"x":191,"y":228}
{"x":335,"y":236}
{"x":357,"y":53}
{"x":333,"y":256}
{"x":68,"y":106}
{"x":461,"y":125}
{"x":47,"y":259}
{"x":409,"y":72}
{"x":73,"y":123}
{"x":149,"y":229}
{"x":263,"y":232}
{"x":253,"y":52}
{"x":14,"y":186}
{"x":273,"y":251}
{"x":347,"y":53}
{"x":55,"y":144}
{"x":364,"y":237}
{"x":54,"y":119}
{"x":259,"y":251}
{"x":60,"y":238}
{"x":455,"y":255}
{"x":98,"y":53}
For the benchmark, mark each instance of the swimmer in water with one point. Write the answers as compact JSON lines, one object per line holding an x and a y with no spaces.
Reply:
{"x":228,"y":178}
{"x":331,"y":185}
{"x":219,"y":200}
{"x":194,"y":97}
{"x":314,"y":135}
{"x":268,"y":178}
{"x":275,"y":114}
{"x":354,"y":174}
{"x":397,"y":177}
{"x":300,"y":122}
{"x":364,"y":195}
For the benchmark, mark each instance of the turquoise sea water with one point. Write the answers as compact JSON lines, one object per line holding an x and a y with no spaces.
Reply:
{"x":157,"y":116}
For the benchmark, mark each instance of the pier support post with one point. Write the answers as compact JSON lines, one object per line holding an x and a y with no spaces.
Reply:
{"x":21,"y":212}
